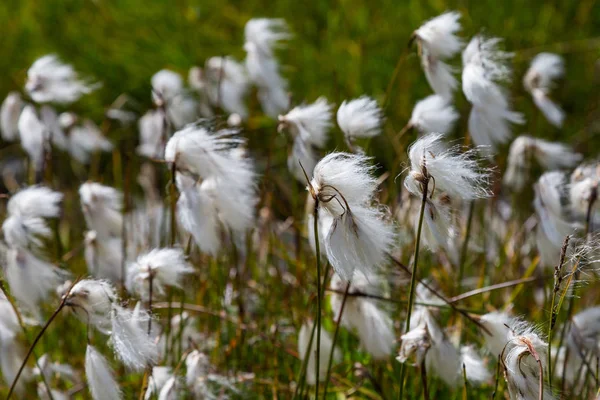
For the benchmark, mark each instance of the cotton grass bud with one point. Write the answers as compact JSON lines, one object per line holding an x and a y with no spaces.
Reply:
{"x":539,"y":80}
{"x":50,"y":80}
{"x":9,"y":116}
{"x":438,"y":41}
{"x":359,"y":237}
{"x":101,"y":382}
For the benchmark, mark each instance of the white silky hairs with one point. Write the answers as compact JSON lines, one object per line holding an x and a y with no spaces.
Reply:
{"x":539,"y":80}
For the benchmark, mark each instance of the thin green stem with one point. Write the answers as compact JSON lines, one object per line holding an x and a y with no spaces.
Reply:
{"x":319,"y":295}
{"x":335,"y":335}
{"x":413,"y":278}
{"x":465,"y":246}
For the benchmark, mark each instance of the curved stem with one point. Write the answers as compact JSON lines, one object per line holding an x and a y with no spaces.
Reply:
{"x":413,"y":278}
{"x":335,"y":335}
{"x":38,"y":337}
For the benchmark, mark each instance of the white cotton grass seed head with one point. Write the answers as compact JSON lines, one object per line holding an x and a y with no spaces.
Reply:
{"x":302,"y":157}
{"x":103,"y":256}
{"x":497,"y":327}
{"x":102,"y":208}
{"x":454,"y":172}
{"x":310,"y":122}
{"x":33,"y":135}
{"x":151,"y":126}
{"x":130,"y":340}
{"x":325,"y":352}
{"x":9,"y":116}
{"x":50,"y":80}
{"x":539,"y":80}
{"x":360,"y":118}
{"x":433,"y":114}
{"x":161,"y":267}
{"x":92,"y":300}
{"x":227,"y":85}
{"x":25,"y":225}
{"x":475,"y":366}
{"x":85,"y":140}
{"x":100,"y":377}
{"x":166,"y":85}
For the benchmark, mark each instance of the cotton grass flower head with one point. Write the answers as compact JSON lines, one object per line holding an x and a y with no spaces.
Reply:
{"x":539,"y":80}
{"x":549,"y":155}
{"x":160,"y":268}
{"x":25,"y":225}
{"x":523,"y":360}
{"x":361,"y":235}
{"x":169,"y":94}
{"x":325,"y":352}
{"x":484,"y":68}
{"x":92,"y":301}
{"x":151,"y":126}
{"x":227,"y":85}
{"x":33,"y":135}
{"x":102,"y":207}
{"x":438,"y":41}
{"x":9,"y":116}
{"x":374,"y":326}
{"x":433,"y":114}
{"x":100,"y":377}
{"x":103,"y":256}
{"x":262,"y":36}
{"x":86,"y":139}
{"x":359,"y":118}
{"x":50,"y":80}
{"x":456,"y":173}
{"x":130,"y":340}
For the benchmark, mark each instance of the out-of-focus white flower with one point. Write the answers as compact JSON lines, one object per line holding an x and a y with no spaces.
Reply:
{"x":54,"y":130}
{"x":198,"y":215}
{"x":25,"y":224}
{"x":9,"y":116}
{"x":101,"y":207}
{"x":438,"y":230}
{"x":311,"y":122}
{"x":484,"y":66}
{"x":160,"y":376}
{"x":31,"y":279}
{"x":325,"y":352}
{"x":360,"y":236}
{"x":497,"y":325}
{"x":584,"y":332}
{"x":582,"y":194}
{"x":262,"y":36}
{"x":50,"y":80}
{"x":303,"y":156}
{"x":151,"y":127}
{"x":433,"y":114}
{"x":217,"y":158}
{"x":228,"y":85}
{"x":9,"y":322}
{"x":539,"y":79}
{"x":162,"y":267}
{"x":101,"y":382}
{"x":33,"y":135}
{"x":450,"y":171}
{"x":359,"y":118}
{"x":50,"y":369}
{"x":130,"y":340}
{"x":521,"y":368}
{"x":92,"y":301}
{"x":103,"y":256}
{"x":438,"y":41}
{"x":415,"y":343}
{"x":86,"y":139}
{"x":553,"y":225}
{"x":373,"y":325}
{"x":475,"y":367}
{"x":202,"y":383}
{"x":168,"y":92}
{"x":549,"y":155}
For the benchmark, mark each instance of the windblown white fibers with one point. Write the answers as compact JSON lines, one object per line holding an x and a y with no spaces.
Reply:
{"x":33,"y":135}
{"x":521,"y":369}
{"x":130,"y":339}
{"x":227,"y":85}
{"x":101,"y":381}
{"x":25,"y":224}
{"x":202,"y":383}
{"x":549,"y":155}
{"x":86,"y":139}
{"x":584,"y":332}
{"x":361,"y":235}
{"x":438,"y":41}
{"x":217,"y":158}
{"x":458,"y":174}
{"x":101,"y":207}
{"x":168,"y":92}
{"x":92,"y":302}
{"x":539,"y":80}
{"x":162,"y":267}
{"x":360,"y":118}
{"x":433,"y":114}
{"x":31,"y":279}
{"x":158,"y":380}
{"x":484,"y":66}
{"x":374,"y":326}
{"x":262,"y":36}
{"x":197,"y":214}
{"x":325,"y":352}
{"x":498,"y":325}
{"x":103,"y":256}
{"x":310,"y":122}
{"x":50,"y":80}
{"x":9,"y":116}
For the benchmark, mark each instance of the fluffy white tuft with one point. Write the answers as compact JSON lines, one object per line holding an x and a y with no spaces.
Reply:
{"x":130,"y":341}
{"x":85,"y":140}
{"x":360,"y":118}
{"x":101,"y":382}
{"x":92,"y":301}
{"x":151,"y":126}
{"x":101,"y":207}
{"x":310,"y":122}
{"x":33,"y":135}
{"x":228,"y":85}
{"x":433,"y":114}
{"x":539,"y":80}
{"x":325,"y":350}
{"x":9,"y":116}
